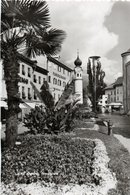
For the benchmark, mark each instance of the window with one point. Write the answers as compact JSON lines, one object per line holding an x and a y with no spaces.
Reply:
{"x":68,"y":73}
{"x":29,"y":94}
{"x":44,"y":80}
{"x":111,"y":92}
{"x":23,"y":93}
{"x":34,"y":78}
{"x":117,"y":91}
{"x":59,"y":82}
{"x":23,"y":70}
{"x":49,"y":79}
{"x":59,"y":68}
{"x":117,"y":98}
{"x":29,"y":72}
{"x":63,"y":71}
{"x":39,"y":80}
{"x":64,"y":83}
{"x":35,"y":96}
{"x":77,"y":75}
{"x":54,"y":81}
{"x":58,"y":96}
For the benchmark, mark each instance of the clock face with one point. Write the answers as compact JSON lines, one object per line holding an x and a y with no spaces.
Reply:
{"x":78,"y":69}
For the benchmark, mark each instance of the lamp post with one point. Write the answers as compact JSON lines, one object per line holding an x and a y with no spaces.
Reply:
{"x":94,"y":64}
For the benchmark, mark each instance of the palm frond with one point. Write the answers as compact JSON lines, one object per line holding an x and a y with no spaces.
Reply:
{"x":47,"y":96}
{"x":24,"y":13}
{"x":65,"y":95}
{"x":36,"y":91}
{"x":44,"y":42}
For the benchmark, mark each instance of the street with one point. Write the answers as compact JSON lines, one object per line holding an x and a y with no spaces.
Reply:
{"x":121,"y":127}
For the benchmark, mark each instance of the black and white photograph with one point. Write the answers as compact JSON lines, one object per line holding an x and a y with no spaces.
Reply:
{"x":65,"y":97}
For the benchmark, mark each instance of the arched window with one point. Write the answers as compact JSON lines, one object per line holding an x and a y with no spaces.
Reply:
{"x":77,"y":75}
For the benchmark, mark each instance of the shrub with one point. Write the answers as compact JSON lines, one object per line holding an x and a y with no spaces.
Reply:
{"x":53,"y":118}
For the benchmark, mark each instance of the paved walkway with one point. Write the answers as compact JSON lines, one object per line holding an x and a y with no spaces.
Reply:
{"x":124,"y":141}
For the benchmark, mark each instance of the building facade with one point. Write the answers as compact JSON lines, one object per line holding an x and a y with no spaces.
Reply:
{"x":111,"y":94}
{"x":126,"y":80}
{"x":54,"y":72}
{"x":58,"y":76}
{"x":118,"y":86}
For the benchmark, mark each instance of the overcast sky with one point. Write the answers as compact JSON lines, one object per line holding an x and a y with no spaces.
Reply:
{"x":95,"y":28}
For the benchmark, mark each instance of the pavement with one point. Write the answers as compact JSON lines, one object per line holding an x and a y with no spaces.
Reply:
{"x":124,"y":141}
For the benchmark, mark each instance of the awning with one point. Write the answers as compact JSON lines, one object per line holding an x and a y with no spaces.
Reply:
{"x":33,"y":104}
{"x":4,"y":104}
{"x":30,"y":104}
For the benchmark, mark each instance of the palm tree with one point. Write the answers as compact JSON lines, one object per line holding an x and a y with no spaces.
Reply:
{"x":25,"y":31}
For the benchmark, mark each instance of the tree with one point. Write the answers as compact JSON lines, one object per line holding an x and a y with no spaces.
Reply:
{"x":96,"y":82}
{"x":25,"y":31}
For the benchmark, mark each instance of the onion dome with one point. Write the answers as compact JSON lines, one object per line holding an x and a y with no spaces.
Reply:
{"x":128,"y":50}
{"x":77,"y":62}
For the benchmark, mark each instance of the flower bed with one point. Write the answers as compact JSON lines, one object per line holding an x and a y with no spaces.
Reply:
{"x":53,"y":159}
{"x":86,"y":165}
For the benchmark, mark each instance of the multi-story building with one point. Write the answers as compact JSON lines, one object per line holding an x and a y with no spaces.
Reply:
{"x":113,"y":97}
{"x":126,"y":80}
{"x":118,"y":86}
{"x":54,"y":72}
{"x":115,"y":91}
{"x":110,"y":92}
{"x":58,"y":76}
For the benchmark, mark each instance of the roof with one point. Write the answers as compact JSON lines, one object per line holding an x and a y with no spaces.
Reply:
{"x":41,"y":70}
{"x":51,"y":59}
{"x":119,"y":81}
{"x":109,"y":87}
{"x":33,"y":64}
{"x":27,"y":60}
{"x":125,"y":53}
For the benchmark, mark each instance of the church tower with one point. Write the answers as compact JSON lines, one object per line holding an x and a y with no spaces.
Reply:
{"x":78,"y":79}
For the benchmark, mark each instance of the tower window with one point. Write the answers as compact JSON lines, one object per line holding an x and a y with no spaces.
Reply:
{"x":49,"y":79}
{"x":77,"y":75}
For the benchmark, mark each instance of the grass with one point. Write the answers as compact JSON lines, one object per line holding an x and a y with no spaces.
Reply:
{"x":119,"y":158}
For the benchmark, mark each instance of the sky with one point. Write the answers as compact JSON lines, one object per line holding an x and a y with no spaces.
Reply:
{"x":98,"y":28}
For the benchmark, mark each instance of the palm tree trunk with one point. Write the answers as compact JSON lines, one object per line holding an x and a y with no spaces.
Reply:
{"x":11,"y":79}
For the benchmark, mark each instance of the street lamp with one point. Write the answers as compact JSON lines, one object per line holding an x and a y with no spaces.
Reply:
{"x":94,"y":63}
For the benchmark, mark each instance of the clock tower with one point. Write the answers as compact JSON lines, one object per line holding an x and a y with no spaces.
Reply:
{"x":78,"y":79}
